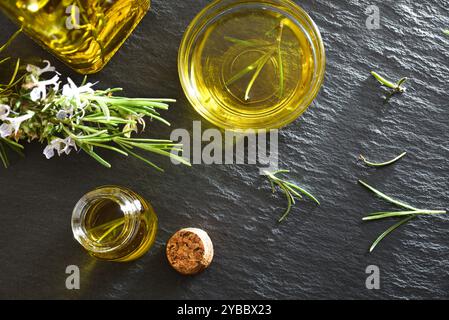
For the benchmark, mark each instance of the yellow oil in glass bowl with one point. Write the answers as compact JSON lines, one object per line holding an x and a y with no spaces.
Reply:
{"x":251,"y":64}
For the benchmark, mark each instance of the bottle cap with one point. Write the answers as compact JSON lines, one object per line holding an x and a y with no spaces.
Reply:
{"x":190,"y":251}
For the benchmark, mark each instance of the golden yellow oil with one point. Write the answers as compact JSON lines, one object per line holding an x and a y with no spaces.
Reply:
{"x":106,"y":226}
{"x":85,"y":34}
{"x":251,"y":65}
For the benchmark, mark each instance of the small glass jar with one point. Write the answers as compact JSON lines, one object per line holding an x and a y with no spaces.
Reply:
{"x":114,"y":223}
{"x":84,"y":34}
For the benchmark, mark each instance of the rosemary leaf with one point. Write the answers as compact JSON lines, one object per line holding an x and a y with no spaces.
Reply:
{"x":290,"y":202}
{"x":12,"y":143}
{"x":131,"y":102}
{"x":140,"y":157}
{"x":401,"y":82}
{"x":382,"y":164}
{"x":308,"y":194}
{"x":142,"y":140}
{"x":280,"y":61}
{"x":387,"y":198}
{"x":126,"y":109}
{"x":164,"y":153}
{"x":96,"y":157}
{"x":14,"y":147}
{"x":105,"y":146}
{"x":111,"y":229}
{"x":160,"y":119}
{"x":4,"y":60}
{"x":105,"y":109}
{"x":11,"y":39}
{"x":247,"y":43}
{"x":245,"y":71}
{"x":383,"y":215}
{"x":383,"y":81}
{"x":3,"y":155}
{"x":259,"y":68}
{"x":110,"y":120}
{"x":93,"y":135}
{"x":14,"y":75}
{"x":279,"y":171}
{"x":293,"y":191}
{"x":389,"y":230}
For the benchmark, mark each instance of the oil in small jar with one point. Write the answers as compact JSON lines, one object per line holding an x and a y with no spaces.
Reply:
{"x":84,"y":34}
{"x":114,"y":223}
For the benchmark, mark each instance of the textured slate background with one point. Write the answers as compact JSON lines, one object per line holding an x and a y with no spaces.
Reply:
{"x":317,"y":253}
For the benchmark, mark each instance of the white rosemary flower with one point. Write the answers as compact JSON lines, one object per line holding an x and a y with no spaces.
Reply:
{"x":63,"y":114}
{"x":5,"y":130}
{"x":59,"y":145}
{"x":12,"y":125}
{"x":37,"y":72}
{"x":72,"y":91}
{"x":39,"y":88}
{"x":39,"y":91}
{"x":4,"y":111}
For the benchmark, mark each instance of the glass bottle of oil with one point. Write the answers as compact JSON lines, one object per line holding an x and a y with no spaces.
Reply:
{"x":84,"y":34}
{"x":114,"y":223}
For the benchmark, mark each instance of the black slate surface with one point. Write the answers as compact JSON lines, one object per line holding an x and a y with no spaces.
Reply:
{"x":319,"y":252}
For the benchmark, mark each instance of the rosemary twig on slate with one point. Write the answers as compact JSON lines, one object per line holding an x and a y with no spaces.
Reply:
{"x":406,"y":215}
{"x":396,"y":87}
{"x":382,"y":164}
{"x":290,"y":190}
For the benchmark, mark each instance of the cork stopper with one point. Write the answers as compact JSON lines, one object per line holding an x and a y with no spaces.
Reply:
{"x":190,"y":251}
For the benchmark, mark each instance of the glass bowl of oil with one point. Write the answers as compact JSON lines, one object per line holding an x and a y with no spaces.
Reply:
{"x":251,"y":64}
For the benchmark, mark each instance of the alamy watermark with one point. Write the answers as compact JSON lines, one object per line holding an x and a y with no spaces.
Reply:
{"x":373,"y":279}
{"x":373,"y":20}
{"x":73,"y":281}
{"x":213,"y":146}
{"x":73,"y":19}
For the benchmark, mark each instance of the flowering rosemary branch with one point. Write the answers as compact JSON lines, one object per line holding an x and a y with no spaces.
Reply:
{"x":382,"y":164}
{"x":290,"y":190}
{"x":68,"y":117}
{"x":408,"y":214}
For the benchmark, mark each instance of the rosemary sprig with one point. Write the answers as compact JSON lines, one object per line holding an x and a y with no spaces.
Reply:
{"x":270,"y":49}
{"x":290,"y":190}
{"x":396,"y":87}
{"x":280,"y":61}
{"x":68,"y":117}
{"x":406,"y":215}
{"x":382,"y":164}
{"x":256,"y":74}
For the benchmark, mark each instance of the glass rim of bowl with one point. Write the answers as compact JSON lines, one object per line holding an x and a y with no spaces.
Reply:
{"x":221,"y":7}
